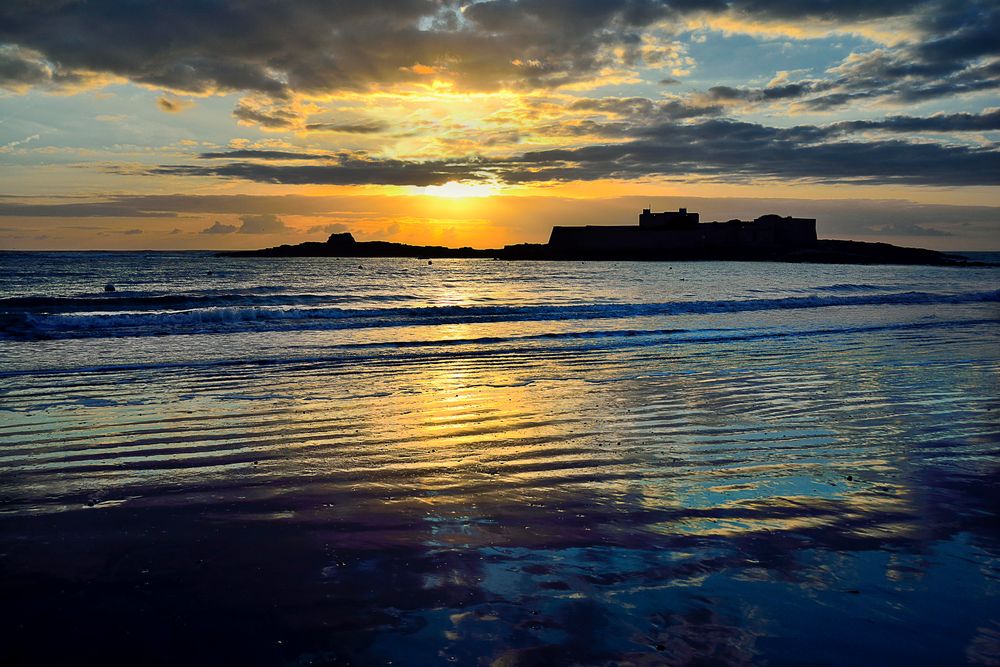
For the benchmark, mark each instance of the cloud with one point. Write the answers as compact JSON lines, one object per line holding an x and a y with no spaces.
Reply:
{"x":264,"y":223}
{"x":347,"y":170}
{"x":173,"y":104}
{"x":332,"y":228}
{"x":616,"y":106}
{"x":173,"y":205}
{"x":736,"y":151}
{"x":956,"y":122}
{"x":21,"y":69}
{"x":954,"y":52}
{"x":24,"y":68}
{"x":273,"y":116}
{"x":717,"y":149}
{"x":259,"y":223}
{"x":253,"y":154}
{"x":279,"y":49}
{"x":79,"y":209}
{"x":846,"y":11}
{"x":367,"y":127}
{"x":902,"y":228}
{"x":219,"y":228}
{"x":11,"y":145}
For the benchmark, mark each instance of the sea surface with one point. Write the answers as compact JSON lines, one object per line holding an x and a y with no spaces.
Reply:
{"x":297,"y":461}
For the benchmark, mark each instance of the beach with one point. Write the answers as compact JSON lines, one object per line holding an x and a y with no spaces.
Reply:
{"x":325,"y":461}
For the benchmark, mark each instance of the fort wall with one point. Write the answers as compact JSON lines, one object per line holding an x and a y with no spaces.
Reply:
{"x":766,"y":232}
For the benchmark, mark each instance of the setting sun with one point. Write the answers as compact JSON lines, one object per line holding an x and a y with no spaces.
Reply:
{"x":459,"y":190}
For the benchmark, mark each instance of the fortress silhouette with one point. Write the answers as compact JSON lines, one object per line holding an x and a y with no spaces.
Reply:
{"x":666,"y":236}
{"x":680,"y":232}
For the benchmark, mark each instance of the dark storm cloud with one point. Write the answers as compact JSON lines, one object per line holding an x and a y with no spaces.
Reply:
{"x":314,"y":45}
{"x":961,"y":31}
{"x":275,"y":48}
{"x":20,"y":68}
{"x":16,"y":69}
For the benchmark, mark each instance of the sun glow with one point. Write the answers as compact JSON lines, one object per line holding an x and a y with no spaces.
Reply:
{"x":458,"y":190}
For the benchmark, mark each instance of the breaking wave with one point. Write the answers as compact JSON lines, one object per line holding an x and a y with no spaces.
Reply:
{"x":52,"y":317}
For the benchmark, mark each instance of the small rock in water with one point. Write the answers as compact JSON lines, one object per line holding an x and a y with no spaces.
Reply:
{"x":429,"y":262}
{"x":109,"y":287}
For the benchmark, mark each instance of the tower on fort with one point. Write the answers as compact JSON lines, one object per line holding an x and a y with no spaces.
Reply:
{"x":680,"y":219}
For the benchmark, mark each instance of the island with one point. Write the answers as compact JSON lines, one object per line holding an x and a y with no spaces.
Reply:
{"x":670,"y":235}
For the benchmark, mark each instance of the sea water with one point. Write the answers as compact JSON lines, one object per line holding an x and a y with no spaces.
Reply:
{"x":313,"y":461}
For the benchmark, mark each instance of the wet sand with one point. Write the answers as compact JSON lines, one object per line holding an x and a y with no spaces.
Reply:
{"x":814,"y":499}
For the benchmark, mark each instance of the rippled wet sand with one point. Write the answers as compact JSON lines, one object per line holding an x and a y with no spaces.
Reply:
{"x":827,"y":500}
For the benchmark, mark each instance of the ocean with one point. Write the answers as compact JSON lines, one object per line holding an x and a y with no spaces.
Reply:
{"x":328,"y":461}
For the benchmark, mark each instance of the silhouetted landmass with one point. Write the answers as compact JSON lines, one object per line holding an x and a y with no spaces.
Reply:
{"x":658,"y":237}
{"x":344,"y":245}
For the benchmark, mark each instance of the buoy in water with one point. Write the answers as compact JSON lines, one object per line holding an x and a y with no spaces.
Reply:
{"x":109,"y":287}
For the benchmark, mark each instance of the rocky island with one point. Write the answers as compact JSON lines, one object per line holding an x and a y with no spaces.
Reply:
{"x":671,"y":235}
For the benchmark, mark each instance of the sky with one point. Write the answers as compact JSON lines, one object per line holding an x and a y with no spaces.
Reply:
{"x":189,"y":124}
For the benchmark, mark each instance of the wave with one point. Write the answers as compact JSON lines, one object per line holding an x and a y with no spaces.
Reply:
{"x":217,"y":319}
{"x":119,"y":301}
{"x":567,"y":342}
{"x":849,"y":287}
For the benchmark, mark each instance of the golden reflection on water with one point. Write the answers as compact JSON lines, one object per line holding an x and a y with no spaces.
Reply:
{"x":505,"y":491}
{"x":454,"y":439}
